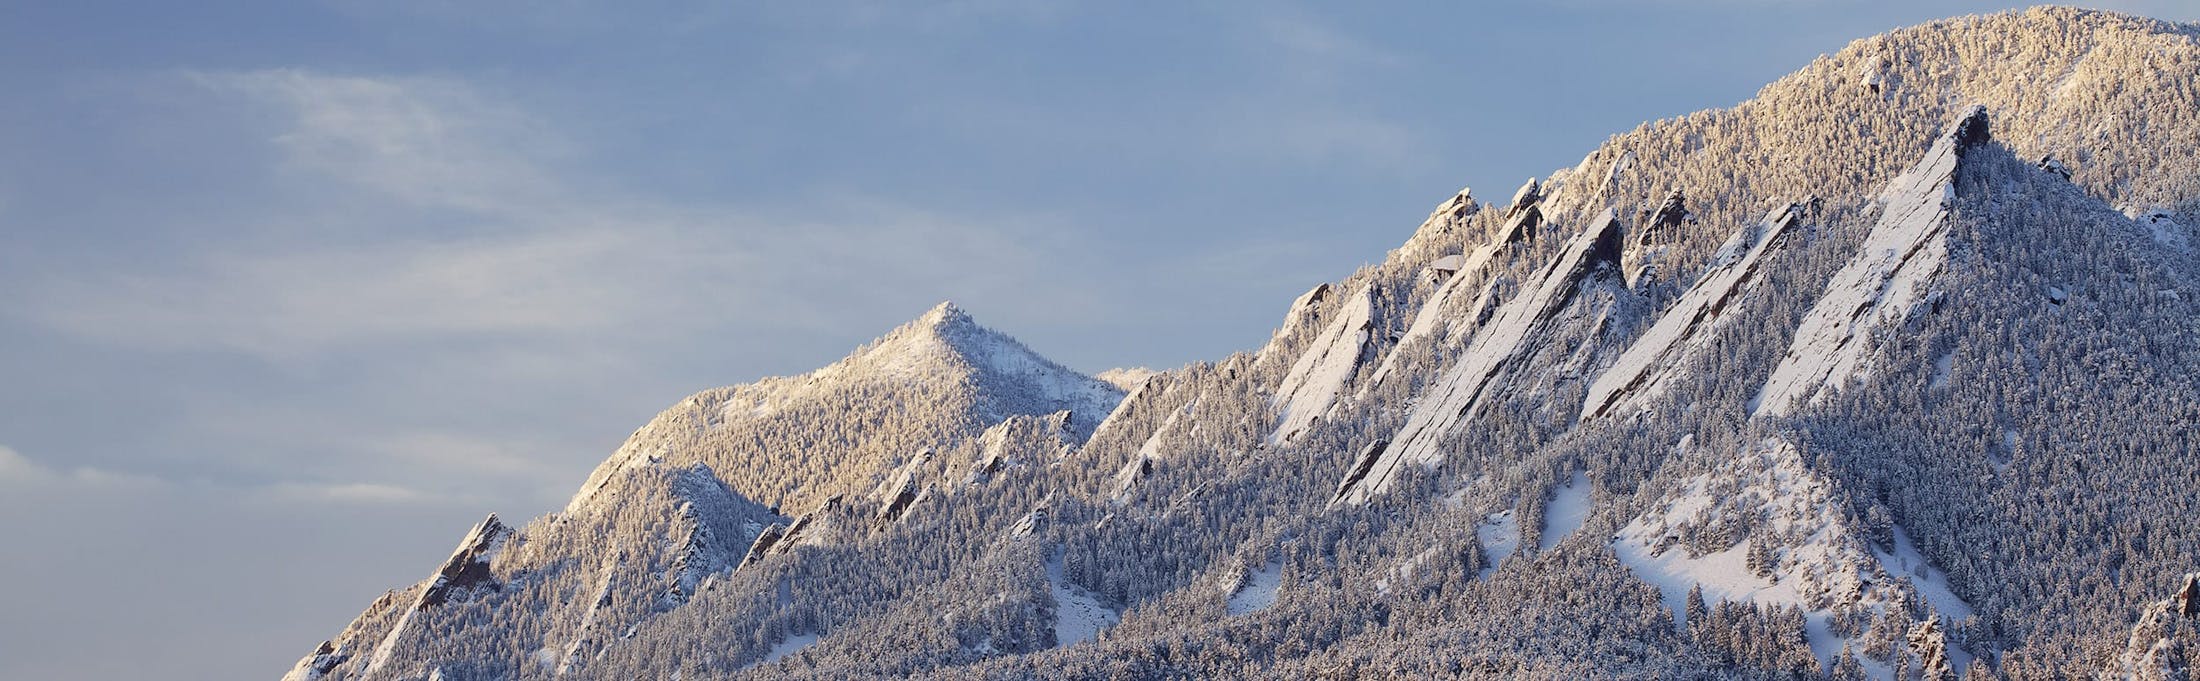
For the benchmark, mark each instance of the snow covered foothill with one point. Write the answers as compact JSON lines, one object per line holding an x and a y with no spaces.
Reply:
{"x":1807,"y":552}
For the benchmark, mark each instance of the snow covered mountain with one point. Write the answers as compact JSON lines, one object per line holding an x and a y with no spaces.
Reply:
{"x":1892,"y":371}
{"x":947,"y":404}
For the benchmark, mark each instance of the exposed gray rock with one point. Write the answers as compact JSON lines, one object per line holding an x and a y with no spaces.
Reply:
{"x":1365,"y":462}
{"x":1664,"y":220}
{"x":2054,"y":165}
{"x":468,"y":567}
{"x":2188,"y":596}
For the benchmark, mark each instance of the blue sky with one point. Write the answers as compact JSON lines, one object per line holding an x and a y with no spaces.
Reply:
{"x":296,"y":291}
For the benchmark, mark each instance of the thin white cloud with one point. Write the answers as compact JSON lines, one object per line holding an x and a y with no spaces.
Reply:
{"x":18,"y":468}
{"x":429,"y":141}
{"x":284,"y":303}
{"x":15,"y":468}
{"x":348,"y":493}
{"x":24,"y":473}
{"x":1313,"y":40}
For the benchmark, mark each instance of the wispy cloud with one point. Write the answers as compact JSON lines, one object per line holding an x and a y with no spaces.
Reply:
{"x":524,"y":248}
{"x":290,"y":302}
{"x":1318,"y":41}
{"x":26,"y":474}
{"x":427,"y":140}
{"x":345,"y":493}
{"x":15,"y":468}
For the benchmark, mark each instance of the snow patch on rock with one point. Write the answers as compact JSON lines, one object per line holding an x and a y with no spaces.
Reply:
{"x":1324,"y":369}
{"x":1878,"y":288}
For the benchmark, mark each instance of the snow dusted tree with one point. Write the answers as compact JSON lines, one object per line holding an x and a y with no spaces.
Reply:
{"x":1694,"y":608}
{"x":1931,"y":647}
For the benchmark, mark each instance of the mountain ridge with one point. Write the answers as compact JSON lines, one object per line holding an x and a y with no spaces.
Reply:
{"x":1641,"y":473}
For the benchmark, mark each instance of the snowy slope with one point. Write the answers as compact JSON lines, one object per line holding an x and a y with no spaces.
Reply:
{"x":1257,"y":590}
{"x":1078,"y":617}
{"x":1810,"y":554}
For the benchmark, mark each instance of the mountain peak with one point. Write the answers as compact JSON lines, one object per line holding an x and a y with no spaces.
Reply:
{"x":943,"y":333}
{"x":944,"y":315}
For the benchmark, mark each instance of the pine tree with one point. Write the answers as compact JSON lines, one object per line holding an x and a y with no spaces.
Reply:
{"x":1931,"y":648}
{"x":1695,"y":611}
{"x":1846,"y":667}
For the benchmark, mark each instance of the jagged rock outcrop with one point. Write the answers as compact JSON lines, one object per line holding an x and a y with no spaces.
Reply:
{"x":318,"y":664}
{"x":468,"y":567}
{"x":1516,"y":326}
{"x":1444,"y":224}
{"x":1658,"y":229}
{"x":1304,"y":311}
{"x":1931,"y":647}
{"x":1020,"y":440}
{"x":1439,"y":320}
{"x":2188,"y":596}
{"x":1679,"y":333}
{"x":2054,"y":165}
{"x":902,"y":492}
{"x":1892,"y":272}
{"x":1361,"y":466}
{"x":765,"y":542}
{"x":779,"y":538}
{"x":2162,"y":645}
{"x":1031,"y":523}
{"x":1325,"y":370}
{"x":1670,"y":214}
{"x":1524,"y":199}
{"x":467,"y":570}
{"x":1444,"y":267}
{"x":1127,"y":477}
